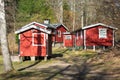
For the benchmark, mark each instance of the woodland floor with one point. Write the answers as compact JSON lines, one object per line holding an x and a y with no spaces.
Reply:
{"x":69,"y":65}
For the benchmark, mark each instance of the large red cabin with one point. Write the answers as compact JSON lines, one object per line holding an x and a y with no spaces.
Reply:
{"x":98,"y":35}
{"x":93,"y":35}
{"x":35,"y":39}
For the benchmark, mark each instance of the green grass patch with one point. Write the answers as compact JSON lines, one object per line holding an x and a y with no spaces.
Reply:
{"x":1,"y":59}
{"x":88,"y":54}
{"x":66,"y":53}
{"x":1,"y":64}
{"x":59,"y":50}
{"x":72,"y":52}
{"x":41,"y":70}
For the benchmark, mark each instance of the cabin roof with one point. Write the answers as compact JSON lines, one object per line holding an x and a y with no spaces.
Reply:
{"x":58,"y":25}
{"x":32,"y":25}
{"x":94,"y":25}
{"x":49,"y":26}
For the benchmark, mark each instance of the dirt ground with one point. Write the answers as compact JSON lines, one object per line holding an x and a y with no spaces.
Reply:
{"x":69,"y":66}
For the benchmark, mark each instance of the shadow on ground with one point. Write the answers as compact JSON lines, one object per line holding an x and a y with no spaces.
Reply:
{"x":59,"y":54}
{"x":79,"y":68}
{"x":29,"y":66}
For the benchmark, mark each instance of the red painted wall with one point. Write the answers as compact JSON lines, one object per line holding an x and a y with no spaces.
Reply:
{"x":68,"y":40}
{"x":26,"y":43}
{"x":78,"y":39}
{"x":57,"y":38}
{"x":92,"y":37}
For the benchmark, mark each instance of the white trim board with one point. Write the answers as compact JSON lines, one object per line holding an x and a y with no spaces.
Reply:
{"x":33,"y":34}
{"x":93,"y":25}
{"x":30,"y":27}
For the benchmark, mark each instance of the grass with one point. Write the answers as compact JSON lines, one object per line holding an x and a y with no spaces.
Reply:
{"x":1,"y":59}
{"x":94,"y":65}
{"x":1,"y":65}
{"x":20,"y":70}
{"x":64,"y":51}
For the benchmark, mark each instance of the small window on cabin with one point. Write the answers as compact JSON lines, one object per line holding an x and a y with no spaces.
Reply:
{"x":38,"y":39}
{"x":68,"y":37}
{"x":102,"y":33}
{"x":59,"y":33}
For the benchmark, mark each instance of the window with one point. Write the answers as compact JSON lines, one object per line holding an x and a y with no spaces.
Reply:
{"x":102,"y":33}
{"x":68,"y":37}
{"x":38,"y":39}
{"x":59,"y":33}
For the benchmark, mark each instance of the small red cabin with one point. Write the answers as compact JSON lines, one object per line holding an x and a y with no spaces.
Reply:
{"x":59,"y":30}
{"x":98,"y":35}
{"x":68,"y":39}
{"x":74,"y":39}
{"x":35,"y":39}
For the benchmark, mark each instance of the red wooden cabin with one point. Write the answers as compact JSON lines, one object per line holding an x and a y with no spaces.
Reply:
{"x":98,"y":35}
{"x":59,"y":30}
{"x":68,"y":39}
{"x":74,"y":39}
{"x":35,"y":39}
{"x":93,"y":35}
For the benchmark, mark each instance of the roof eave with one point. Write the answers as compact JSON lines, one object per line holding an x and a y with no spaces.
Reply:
{"x":30,"y":27}
{"x":64,"y":27}
{"x":93,"y":25}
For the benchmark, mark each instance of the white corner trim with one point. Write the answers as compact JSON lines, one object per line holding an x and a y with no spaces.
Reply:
{"x":93,"y":25}
{"x":30,"y":27}
{"x":63,"y":40}
{"x":59,"y":33}
{"x":85,"y":39}
{"x":19,"y":36}
{"x":113,"y":37}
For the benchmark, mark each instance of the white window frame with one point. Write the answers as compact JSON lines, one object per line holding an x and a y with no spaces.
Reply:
{"x":59,"y":33}
{"x":33,"y":34}
{"x":68,"y":37}
{"x":102,"y":33}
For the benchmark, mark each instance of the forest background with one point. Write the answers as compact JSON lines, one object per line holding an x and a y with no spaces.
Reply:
{"x":73,"y":14}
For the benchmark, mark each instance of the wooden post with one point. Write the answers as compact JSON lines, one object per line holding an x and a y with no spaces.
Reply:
{"x":21,"y":58}
{"x":53,"y":44}
{"x":32,"y":58}
{"x":45,"y":58}
{"x":94,"y":48}
{"x":103,"y":47}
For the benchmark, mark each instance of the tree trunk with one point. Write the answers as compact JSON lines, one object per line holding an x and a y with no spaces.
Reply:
{"x":3,"y":39}
{"x":61,"y":12}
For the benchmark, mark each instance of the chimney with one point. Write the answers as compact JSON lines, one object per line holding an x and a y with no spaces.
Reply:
{"x":46,"y":21}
